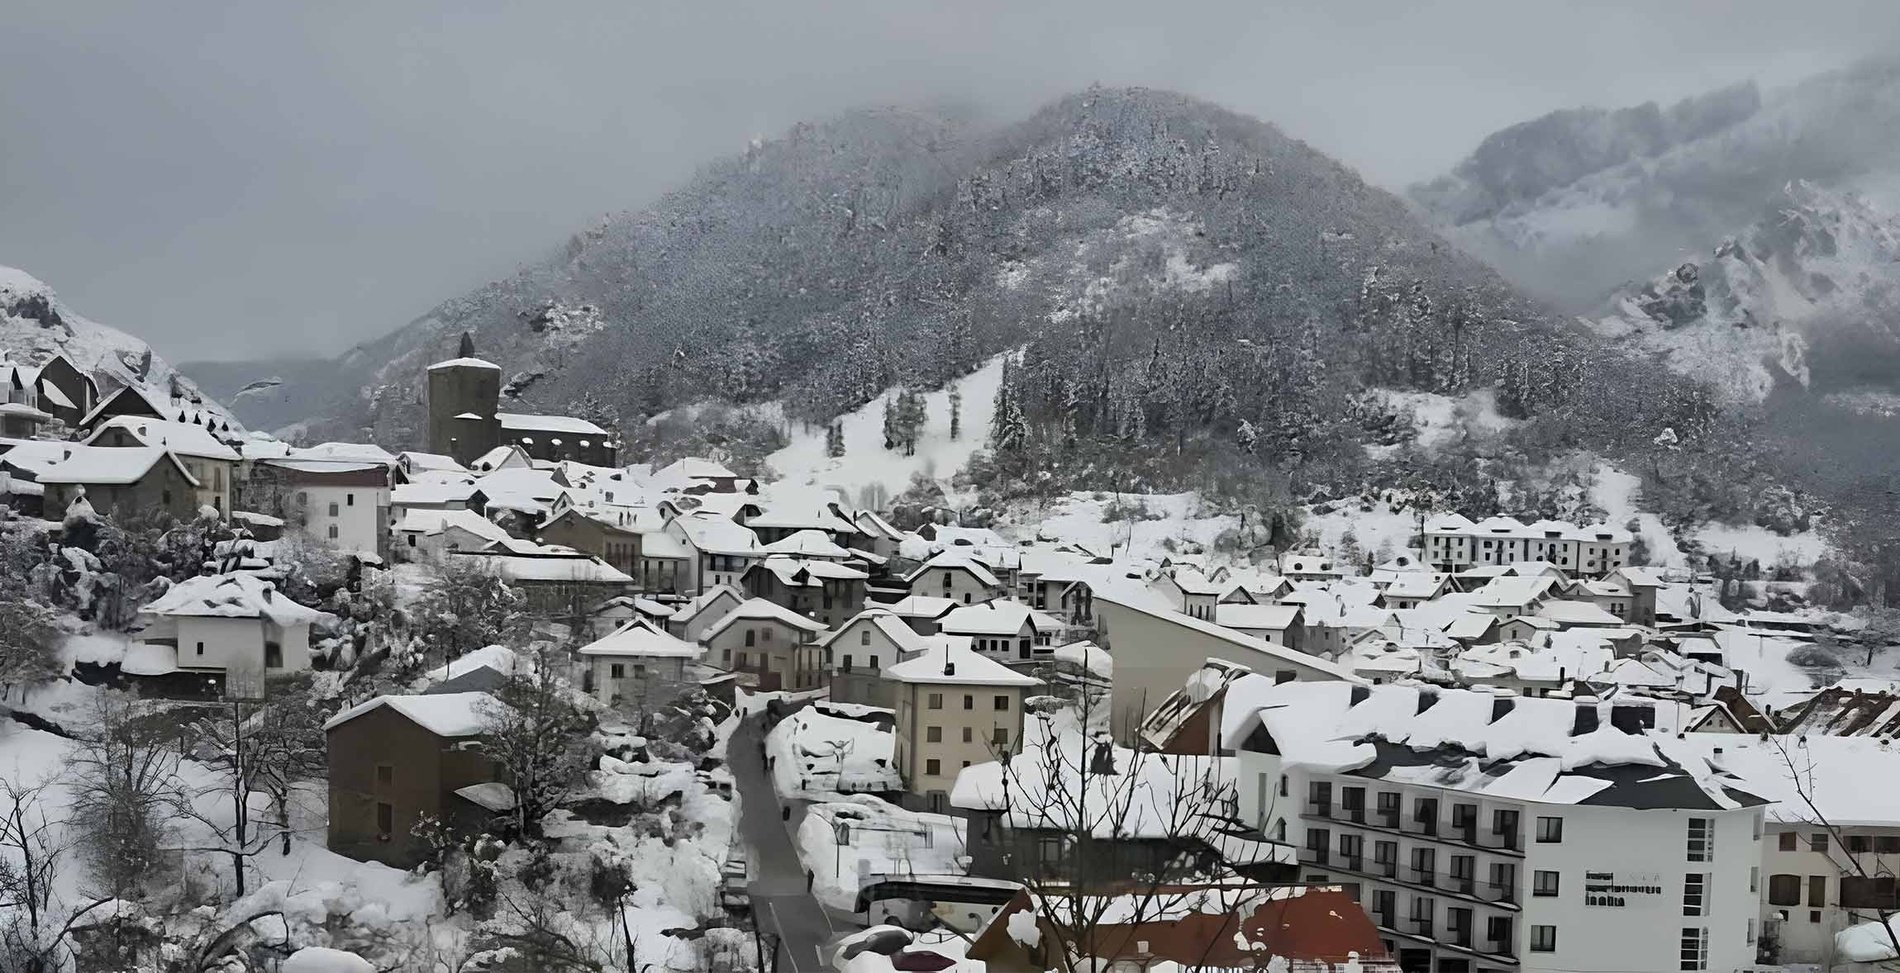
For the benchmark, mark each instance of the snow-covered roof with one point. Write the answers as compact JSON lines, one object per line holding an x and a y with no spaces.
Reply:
{"x":807,"y":543}
{"x":500,"y":658}
{"x":111,"y":465}
{"x":923,"y":606}
{"x":758,"y":609}
{"x":1144,"y":798}
{"x":428,"y":522}
{"x":1550,"y":751}
{"x":1576,"y":613}
{"x":1853,"y":781}
{"x":231,"y":596}
{"x":1257,"y":617}
{"x":957,"y":560}
{"x":443,"y":714}
{"x":956,"y":665}
{"x":714,"y":534}
{"x":581,"y":569}
{"x":998,"y":617}
{"x":465,"y":363}
{"x":416,"y":461}
{"x":489,"y":796}
{"x":641,"y":638}
{"x":521,"y":421}
{"x":1087,"y":656}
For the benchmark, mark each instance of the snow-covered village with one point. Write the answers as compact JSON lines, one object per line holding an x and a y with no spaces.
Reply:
{"x":1073,"y":487}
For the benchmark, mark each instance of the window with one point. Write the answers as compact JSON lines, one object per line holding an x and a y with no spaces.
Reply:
{"x":1754,"y":879}
{"x":946,"y":581}
{"x":934,"y":701}
{"x":1351,"y":848}
{"x":349,"y":500}
{"x":1505,"y":823}
{"x":1886,"y":844}
{"x":1424,"y":865}
{"x":933,"y":734}
{"x":385,"y":820}
{"x":1000,"y":736}
{"x":1818,"y":842}
{"x":1784,"y":890}
{"x":765,"y":635}
{"x":1543,"y":883}
{"x":273,"y":655}
{"x":1694,"y":891}
{"x":1695,"y":949}
{"x":1543,"y":939}
{"x":847,"y":662}
{"x":1857,"y":843}
{"x":1786,"y":840}
{"x":1353,"y":801}
{"x":1425,"y":813}
{"x":385,"y":774}
{"x":333,"y":508}
{"x":333,"y":532}
{"x":1385,"y":854}
{"x":1550,"y":830}
{"x":1817,"y":891}
{"x":1701,"y":839}
{"x":1002,"y":703}
{"x":1389,"y":807}
{"x":933,"y":767}
{"x":201,"y":648}
{"x":617,"y":670}
{"x":864,"y":636}
{"x":751,"y":638}
{"x":969,"y":735}
{"x":969,"y":701}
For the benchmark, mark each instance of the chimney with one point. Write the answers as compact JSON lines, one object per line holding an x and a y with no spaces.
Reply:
{"x":949,"y":668}
{"x":1585,"y":718}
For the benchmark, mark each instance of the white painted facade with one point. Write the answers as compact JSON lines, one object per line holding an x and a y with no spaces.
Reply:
{"x":348,"y":518}
{"x":1464,"y":899}
{"x":210,"y":643}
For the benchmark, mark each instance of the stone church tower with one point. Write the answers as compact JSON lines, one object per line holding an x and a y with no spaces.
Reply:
{"x":464,"y":393}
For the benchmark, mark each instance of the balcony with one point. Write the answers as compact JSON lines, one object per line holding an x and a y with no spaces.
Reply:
{"x":1502,"y":895}
{"x":1481,"y":839}
{"x":1495,"y":949}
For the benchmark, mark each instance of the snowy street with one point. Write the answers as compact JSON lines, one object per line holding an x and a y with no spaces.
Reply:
{"x":782,"y":903}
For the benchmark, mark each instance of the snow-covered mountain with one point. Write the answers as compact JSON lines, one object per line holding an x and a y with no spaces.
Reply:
{"x":35,"y":324}
{"x":1814,"y":282}
{"x":1577,"y":203}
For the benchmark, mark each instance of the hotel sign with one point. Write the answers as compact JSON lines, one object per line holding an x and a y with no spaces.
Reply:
{"x":1613,"y":891}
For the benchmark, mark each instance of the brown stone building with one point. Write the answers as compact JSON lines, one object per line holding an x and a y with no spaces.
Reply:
{"x":121,"y":481}
{"x":397,"y":759}
{"x":617,"y":546}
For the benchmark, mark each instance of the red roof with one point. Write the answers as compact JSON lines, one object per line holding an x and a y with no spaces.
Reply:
{"x":1304,"y":925}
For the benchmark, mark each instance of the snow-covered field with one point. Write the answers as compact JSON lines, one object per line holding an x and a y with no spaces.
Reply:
{"x":881,"y":839}
{"x":1144,"y":525}
{"x":867,"y":464}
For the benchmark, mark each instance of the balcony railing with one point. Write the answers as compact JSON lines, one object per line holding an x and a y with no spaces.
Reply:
{"x":1482,"y":839}
{"x":1467,"y":886}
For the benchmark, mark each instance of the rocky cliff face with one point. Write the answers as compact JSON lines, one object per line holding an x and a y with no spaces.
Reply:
{"x":35,"y":324}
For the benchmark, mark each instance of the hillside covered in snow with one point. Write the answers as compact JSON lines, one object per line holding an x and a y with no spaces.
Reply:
{"x":35,"y":325}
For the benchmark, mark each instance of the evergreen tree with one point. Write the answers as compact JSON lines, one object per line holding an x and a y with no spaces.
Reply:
{"x":834,"y":440}
{"x":956,"y":412}
{"x":891,"y":436}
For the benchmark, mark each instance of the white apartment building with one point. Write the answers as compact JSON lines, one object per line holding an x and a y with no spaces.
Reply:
{"x":1453,"y":542}
{"x":1494,"y":833}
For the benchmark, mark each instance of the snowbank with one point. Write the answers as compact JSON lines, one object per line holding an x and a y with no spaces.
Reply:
{"x":879,"y":839}
{"x":817,"y":757}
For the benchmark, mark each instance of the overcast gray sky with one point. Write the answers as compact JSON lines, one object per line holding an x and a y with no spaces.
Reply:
{"x":238,"y":179}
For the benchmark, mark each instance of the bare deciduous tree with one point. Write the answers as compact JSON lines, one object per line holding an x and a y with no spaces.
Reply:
{"x":123,"y":778}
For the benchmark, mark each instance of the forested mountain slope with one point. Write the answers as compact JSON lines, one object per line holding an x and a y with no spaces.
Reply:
{"x":1199,"y":301}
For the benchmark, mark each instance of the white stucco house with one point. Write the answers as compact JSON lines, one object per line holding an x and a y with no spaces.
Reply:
{"x":222,"y":624}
